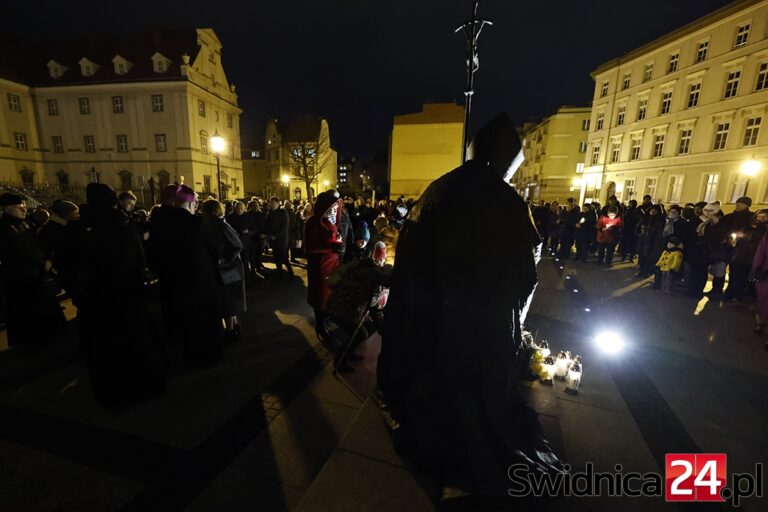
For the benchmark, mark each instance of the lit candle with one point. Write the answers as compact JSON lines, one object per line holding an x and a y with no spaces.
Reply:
{"x":544,"y":349}
{"x":573,"y":379}
{"x":549,"y":370}
{"x":561,"y":364}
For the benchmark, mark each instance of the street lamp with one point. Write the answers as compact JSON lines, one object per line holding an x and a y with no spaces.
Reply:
{"x":326,"y":184}
{"x":749,"y":168}
{"x":286,"y":182}
{"x":217,"y":146}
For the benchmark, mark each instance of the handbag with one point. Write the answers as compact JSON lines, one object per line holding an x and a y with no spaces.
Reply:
{"x":231,"y":272}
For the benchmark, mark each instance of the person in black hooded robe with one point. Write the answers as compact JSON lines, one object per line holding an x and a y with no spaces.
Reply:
{"x":125,"y":356}
{"x":448,"y":368}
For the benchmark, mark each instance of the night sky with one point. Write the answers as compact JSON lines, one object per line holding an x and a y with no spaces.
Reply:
{"x":359,"y":62}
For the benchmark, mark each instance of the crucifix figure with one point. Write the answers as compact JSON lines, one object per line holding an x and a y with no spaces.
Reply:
{"x":471,"y":30}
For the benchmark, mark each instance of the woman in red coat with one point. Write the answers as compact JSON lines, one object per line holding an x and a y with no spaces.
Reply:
{"x":320,"y":235}
{"x":608,"y":234}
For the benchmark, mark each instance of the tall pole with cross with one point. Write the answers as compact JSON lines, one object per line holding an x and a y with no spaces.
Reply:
{"x":471,"y":30}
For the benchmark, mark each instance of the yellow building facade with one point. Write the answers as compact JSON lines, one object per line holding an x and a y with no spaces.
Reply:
{"x":122,"y":111}
{"x":283,"y":173}
{"x":554,"y":156}
{"x":681,"y":118}
{"x":423,"y":147}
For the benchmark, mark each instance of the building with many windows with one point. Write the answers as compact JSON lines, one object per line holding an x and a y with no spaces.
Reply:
{"x":136,"y":112}
{"x":680,"y":119}
{"x":424,"y":146}
{"x":554,"y":156}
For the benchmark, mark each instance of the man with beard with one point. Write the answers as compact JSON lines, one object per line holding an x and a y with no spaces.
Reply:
{"x":448,"y":369}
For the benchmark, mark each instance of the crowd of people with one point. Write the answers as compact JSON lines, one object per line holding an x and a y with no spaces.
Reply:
{"x":680,"y":245}
{"x":171,"y":276}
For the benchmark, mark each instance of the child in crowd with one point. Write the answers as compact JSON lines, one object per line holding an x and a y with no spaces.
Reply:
{"x":669,"y":265}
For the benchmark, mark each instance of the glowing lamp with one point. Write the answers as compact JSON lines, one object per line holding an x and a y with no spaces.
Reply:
{"x":609,"y":342}
{"x":549,"y":370}
{"x":218,"y":144}
{"x":750,"y":167}
{"x":327,"y":183}
{"x":285,"y":179}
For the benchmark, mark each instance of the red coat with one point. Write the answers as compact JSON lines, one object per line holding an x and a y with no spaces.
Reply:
{"x":611,"y":235}
{"x":320,"y":236}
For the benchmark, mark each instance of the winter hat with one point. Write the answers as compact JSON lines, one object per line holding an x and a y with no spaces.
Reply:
{"x":673,"y":240}
{"x":700,"y":204}
{"x":713,"y":208}
{"x":745,"y":201}
{"x":9,"y":199}
{"x":362,"y":232}
{"x":63,"y":208}
{"x":380,"y":251}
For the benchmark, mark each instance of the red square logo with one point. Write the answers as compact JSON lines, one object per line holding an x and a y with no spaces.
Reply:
{"x":695,"y":477}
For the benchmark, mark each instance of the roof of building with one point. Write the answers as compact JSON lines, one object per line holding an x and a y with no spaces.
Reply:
{"x":683,"y":31}
{"x":26,"y":61}
{"x":434,"y":113}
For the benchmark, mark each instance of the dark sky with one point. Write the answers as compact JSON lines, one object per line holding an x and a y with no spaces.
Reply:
{"x":359,"y":62}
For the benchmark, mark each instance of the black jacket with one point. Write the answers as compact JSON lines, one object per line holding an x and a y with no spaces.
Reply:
{"x":276,"y":227}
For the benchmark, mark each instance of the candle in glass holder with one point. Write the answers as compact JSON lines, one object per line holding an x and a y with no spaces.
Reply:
{"x":548,"y":372}
{"x":573,"y":379}
{"x":562,"y":363}
{"x":544,"y":349}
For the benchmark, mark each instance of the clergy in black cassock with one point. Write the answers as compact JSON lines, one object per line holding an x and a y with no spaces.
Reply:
{"x":448,"y":369}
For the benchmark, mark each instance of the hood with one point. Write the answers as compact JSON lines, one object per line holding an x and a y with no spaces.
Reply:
{"x":324,"y":203}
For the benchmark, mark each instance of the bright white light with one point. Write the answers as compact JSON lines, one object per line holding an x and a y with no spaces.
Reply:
{"x":587,"y":310}
{"x":285,"y":178}
{"x":218,"y":144}
{"x":750,"y":167}
{"x":567,"y":277}
{"x":575,"y":291}
{"x":610,"y":342}
{"x":561,"y":268}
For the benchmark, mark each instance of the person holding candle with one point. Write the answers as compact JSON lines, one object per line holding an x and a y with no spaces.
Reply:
{"x":608,"y":234}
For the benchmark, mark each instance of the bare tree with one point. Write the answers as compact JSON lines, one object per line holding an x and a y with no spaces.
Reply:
{"x":309,"y":149}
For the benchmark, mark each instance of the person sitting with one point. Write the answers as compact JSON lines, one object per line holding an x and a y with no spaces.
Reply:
{"x":359,"y":291}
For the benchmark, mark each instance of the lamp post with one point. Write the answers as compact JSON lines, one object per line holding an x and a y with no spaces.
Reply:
{"x":217,"y":146}
{"x":326,"y":184}
{"x":749,"y":169}
{"x":286,"y":183}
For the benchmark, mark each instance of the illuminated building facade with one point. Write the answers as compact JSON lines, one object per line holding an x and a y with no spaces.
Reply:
{"x":681,"y":118}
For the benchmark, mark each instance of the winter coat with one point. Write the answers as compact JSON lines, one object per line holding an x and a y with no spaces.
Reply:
{"x":276,"y":227}
{"x":671,"y":260}
{"x":224,"y":248}
{"x":353,"y":287}
{"x":609,"y":230}
{"x":320,"y":239}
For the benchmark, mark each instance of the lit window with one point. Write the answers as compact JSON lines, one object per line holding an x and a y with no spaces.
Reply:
{"x":710,"y":187}
{"x":752,"y":130}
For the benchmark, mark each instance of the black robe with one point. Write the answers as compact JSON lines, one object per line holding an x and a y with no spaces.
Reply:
{"x":448,"y":369}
